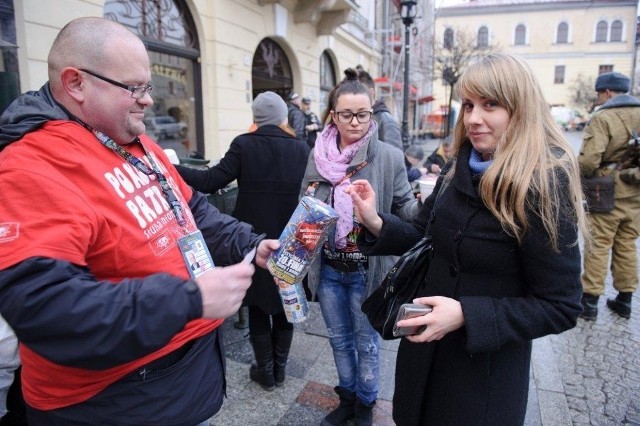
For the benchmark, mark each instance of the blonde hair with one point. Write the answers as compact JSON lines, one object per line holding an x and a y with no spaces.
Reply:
{"x":533,"y":164}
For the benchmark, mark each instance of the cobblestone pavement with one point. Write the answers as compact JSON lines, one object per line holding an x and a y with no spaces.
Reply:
{"x":599,"y":364}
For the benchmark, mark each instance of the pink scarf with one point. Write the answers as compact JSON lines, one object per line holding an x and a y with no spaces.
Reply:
{"x":332,"y":165}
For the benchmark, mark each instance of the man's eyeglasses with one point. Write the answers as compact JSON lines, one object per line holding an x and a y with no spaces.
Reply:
{"x":347,"y":116}
{"x":137,"y":92}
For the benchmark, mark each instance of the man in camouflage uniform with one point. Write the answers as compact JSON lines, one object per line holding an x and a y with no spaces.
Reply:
{"x":606,"y":141}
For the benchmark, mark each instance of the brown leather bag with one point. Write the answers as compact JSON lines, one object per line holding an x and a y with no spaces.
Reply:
{"x":599,"y":193}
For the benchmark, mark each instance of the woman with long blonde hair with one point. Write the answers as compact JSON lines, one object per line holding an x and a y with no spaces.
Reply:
{"x":506,"y":262}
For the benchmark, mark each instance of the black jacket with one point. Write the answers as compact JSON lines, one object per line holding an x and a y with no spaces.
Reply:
{"x":297,"y":121}
{"x":269,"y":165}
{"x":510,"y":294}
{"x":388,"y":128}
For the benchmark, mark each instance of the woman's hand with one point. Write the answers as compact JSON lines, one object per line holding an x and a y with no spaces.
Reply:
{"x":364,"y":205}
{"x":265,"y":248}
{"x":445,"y":317}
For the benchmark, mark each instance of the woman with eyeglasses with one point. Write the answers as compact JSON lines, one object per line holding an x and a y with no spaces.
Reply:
{"x":342,"y":277}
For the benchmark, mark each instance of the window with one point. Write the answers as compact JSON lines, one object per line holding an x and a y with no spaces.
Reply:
{"x":447,"y":41}
{"x":558,"y":77}
{"x":168,"y":30}
{"x":604,"y":68}
{"x":616,"y":31}
{"x":563,"y":33}
{"x":9,"y":70}
{"x":521,"y":35}
{"x":327,"y":79}
{"x":483,"y":37}
{"x":601,"y":32}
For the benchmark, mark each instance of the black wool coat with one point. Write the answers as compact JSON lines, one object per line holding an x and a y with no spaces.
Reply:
{"x":510,"y":294}
{"x":269,"y":165}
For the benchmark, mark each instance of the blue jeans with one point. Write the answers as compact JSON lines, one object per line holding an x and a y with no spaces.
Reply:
{"x":354,"y":342}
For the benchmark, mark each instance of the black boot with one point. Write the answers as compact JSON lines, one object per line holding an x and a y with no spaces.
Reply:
{"x":281,"y":345}
{"x":363,"y":413}
{"x":621,"y":305}
{"x":344,"y":412}
{"x":589,"y":306}
{"x":262,"y":370}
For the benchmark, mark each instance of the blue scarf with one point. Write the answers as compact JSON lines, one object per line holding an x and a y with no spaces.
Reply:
{"x":477,"y":164}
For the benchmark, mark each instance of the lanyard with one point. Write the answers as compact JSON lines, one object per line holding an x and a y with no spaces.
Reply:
{"x":311,"y":189}
{"x":167,"y":191}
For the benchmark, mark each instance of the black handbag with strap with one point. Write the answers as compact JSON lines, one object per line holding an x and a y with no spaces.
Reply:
{"x":401,"y":284}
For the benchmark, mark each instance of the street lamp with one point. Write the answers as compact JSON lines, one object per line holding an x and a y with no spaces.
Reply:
{"x":408,"y":13}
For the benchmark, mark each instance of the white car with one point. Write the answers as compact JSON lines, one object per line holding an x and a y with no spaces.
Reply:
{"x":165,"y":126}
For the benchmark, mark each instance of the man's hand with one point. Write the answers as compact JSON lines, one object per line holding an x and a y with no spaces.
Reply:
{"x":265,"y":248}
{"x":222,"y":289}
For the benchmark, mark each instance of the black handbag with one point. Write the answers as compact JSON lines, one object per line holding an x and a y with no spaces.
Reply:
{"x":401,"y":284}
{"x":599,"y":192}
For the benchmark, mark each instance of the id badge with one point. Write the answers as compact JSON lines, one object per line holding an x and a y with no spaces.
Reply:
{"x":195,"y":254}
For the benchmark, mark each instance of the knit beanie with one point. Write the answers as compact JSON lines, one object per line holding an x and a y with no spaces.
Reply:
{"x":614,"y":81}
{"x":269,"y":108}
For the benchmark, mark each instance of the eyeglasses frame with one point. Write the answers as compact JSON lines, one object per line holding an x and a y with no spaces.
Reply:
{"x":146,"y":88}
{"x":353,"y":114}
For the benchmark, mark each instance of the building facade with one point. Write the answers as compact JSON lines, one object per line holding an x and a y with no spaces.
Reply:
{"x":562,"y":40}
{"x":209,"y":59}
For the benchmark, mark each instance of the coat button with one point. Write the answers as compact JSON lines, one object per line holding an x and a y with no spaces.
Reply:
{"x":453,"y":271}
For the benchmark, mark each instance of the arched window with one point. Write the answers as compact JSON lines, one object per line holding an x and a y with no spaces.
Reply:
{"x":168,"y":31}
{"x":601,"y":31}
{"x":521,"y":35}
{"x":563,"y":33}
{"x":616,"y":31}
{"x":327,"y":79}
{"x":447,"y":40}
{"x":271,"y":70}
{"x":483,"y":37}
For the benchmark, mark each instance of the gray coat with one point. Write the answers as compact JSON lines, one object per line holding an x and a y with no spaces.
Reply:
{"x":387,"y":175}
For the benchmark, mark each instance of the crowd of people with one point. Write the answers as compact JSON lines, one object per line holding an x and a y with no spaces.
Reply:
{"x":116,"y":272}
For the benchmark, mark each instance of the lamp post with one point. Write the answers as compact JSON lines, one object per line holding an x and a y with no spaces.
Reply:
{"x":408,"y":13}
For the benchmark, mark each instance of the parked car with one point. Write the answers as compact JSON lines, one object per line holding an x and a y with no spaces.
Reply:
{"x":569,"y":118}
{"x":165,"y":126}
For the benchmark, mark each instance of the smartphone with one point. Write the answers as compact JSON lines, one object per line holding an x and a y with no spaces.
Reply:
{"x":248,"y":258}
{"x":410,"y":310}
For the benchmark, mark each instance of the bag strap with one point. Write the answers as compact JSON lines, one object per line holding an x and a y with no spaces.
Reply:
{"x":446,"y":179}
{"x":632,"y":134}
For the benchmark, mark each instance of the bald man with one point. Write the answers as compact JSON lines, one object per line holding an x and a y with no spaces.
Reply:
{"x":95,"y":224}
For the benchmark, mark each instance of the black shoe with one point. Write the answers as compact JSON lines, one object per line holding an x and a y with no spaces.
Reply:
{"x":281,"y":345}
{"x":621,"y":305}
{"x":363,"y":413}
{"x":344,"y":412}
{"x":589,"y":304}
{"x":262,"y":370}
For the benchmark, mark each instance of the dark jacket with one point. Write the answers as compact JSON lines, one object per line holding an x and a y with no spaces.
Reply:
{"x":510,"y":294}
{"x":311,"y":118}
{"x":436,"y":157}
{"x":388,"y":128}
{"x":269,"y":165}
{"x":297,"y":121}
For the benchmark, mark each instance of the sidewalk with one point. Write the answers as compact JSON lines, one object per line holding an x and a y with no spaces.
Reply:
{"x":588,"y":375}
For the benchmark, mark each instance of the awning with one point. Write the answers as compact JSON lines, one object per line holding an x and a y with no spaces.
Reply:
{"x":397,"y":85}
{"x":425,"y":99}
